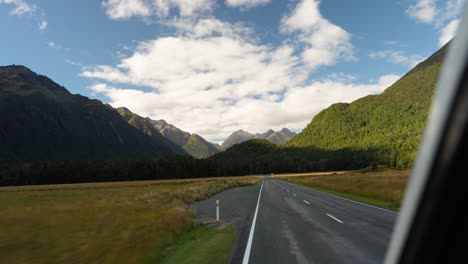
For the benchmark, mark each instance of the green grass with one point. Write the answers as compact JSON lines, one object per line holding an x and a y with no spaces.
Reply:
{"x":394,"y":206}
{"x":203,"y":245}
{"x":383,"y":189}
{"x":103,"y":222}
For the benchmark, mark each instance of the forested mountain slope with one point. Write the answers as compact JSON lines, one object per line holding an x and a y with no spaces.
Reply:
{"x":391,"y":123}
{"x":41,"y":120}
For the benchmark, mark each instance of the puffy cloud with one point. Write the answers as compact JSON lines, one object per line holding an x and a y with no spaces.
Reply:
{"x":124,"y":9}
{"x":427,"y":11}
{"x":423,"y":11}
{"x":246,"y":3}
{"x":23,"y":8}
{"x":231,"y":64}
{"x":213,"y":77}
{"x":214,"y":116}
{"x":206,"y":27}
{"x":20,"y":7}
{"x":238,"y":84}
{"x":324,"y":42}
{"x":448,"y":32}
{"x":397,"y":57}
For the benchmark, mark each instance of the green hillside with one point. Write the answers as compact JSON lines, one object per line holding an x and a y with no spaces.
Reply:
{"x":199,"y":147}
{"x":391,"y":123}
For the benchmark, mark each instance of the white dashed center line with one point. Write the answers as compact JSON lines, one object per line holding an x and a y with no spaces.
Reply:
{"x":334,"y":218}
{"x":306,"y":202}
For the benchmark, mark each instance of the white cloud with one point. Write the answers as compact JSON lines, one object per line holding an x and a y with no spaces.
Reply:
{"x":397,"y":57}
{"x":239,"y":83}
{"x":124,"y":9}
{"x":52,"y":45}
{"x":204,"y":114}
{"x":213,"y":77}
{"x":452,"y":9}
{"x":423,"y":11}
{"x":246,"y":3}
{"x":20,"y":7}
{"x":208,"y":58}
{"x":324,"y":42}
{"x":448,"y":32}
{"x":427,"y":11}
{"x":23,"y":8}
{"x":211,"y":26}
{"x":42,"y":24}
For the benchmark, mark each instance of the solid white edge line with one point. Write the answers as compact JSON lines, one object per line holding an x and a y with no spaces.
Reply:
{"x":245,"y":260}
{"x":383,"y":209}
{"x":334,"y":218}
{"x":306,"y":202}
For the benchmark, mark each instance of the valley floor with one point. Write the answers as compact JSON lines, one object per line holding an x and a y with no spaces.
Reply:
{"x":153,"y":221}
{"x":119,"y":222}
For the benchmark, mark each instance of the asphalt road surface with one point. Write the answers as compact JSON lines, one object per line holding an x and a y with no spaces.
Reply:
{"x":237,"y":207}
{"x":295,"y":224}
{"x":300,"y":225}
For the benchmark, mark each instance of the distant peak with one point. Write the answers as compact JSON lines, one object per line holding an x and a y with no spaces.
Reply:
{"x":123,"y":109}
{"x":31,"y":80}
{"x":16,"y":69}
{"x":195,"y":136}
{"x":15,"y":66}
{"x":285,"y":130}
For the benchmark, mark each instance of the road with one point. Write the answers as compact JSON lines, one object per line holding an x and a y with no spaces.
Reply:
{"x":299,"y":225}
{"x":237,"y":206}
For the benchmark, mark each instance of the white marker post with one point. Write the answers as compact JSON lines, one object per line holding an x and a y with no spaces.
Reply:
{"x":217,"y":210}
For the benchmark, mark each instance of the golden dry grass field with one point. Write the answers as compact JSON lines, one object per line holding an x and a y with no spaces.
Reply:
{"x":119,"y":222}
{"x":383,"y":189}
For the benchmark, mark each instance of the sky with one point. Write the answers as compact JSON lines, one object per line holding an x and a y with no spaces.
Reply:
{"x":213,"y":67}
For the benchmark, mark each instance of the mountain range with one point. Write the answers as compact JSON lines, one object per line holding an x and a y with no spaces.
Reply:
{"x":239,"y":136}
{"x":41,"y":120}
{"x":193,"y":144}
{"x":68,"y":126}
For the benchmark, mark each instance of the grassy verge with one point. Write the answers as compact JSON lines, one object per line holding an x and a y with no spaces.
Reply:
{"x":199,"y":245}
{"x":382,"y":189}
{"x":98,"y":224}
{"x":391,"y":205}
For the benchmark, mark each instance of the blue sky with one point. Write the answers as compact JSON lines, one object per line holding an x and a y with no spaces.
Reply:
{"x":212,"y":67}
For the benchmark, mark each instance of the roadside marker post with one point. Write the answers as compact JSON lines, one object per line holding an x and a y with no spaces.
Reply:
{"x":217,"y":210}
